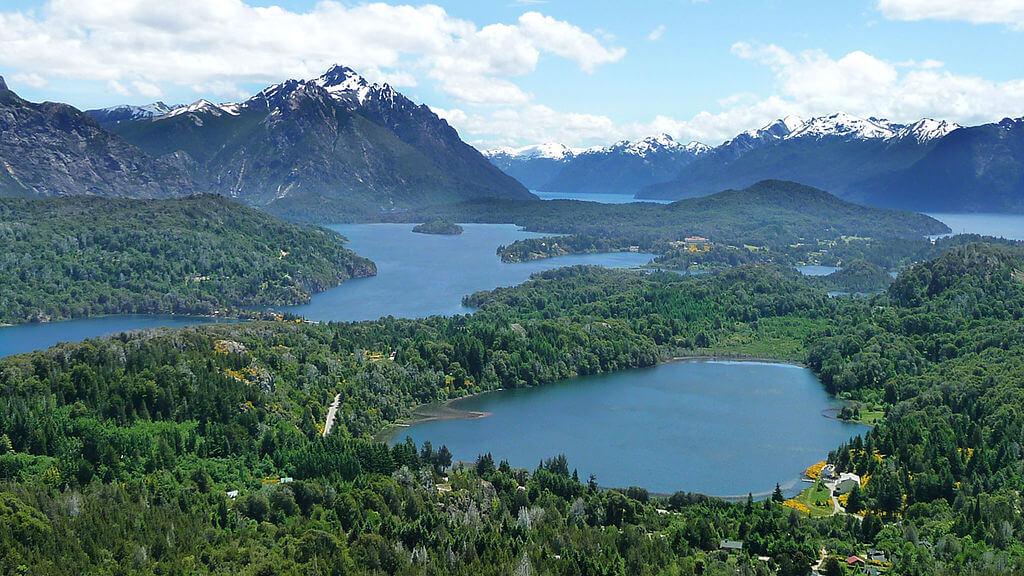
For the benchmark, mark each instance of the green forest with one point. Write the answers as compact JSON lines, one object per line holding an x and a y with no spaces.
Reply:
{"x":78,"y":256}
{"x":200,"y":450}
{"x":772,"y":221}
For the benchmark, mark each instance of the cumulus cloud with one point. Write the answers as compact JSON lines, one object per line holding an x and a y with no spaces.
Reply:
{"x":145,"y":44}
{"x":1010,"y":12}
{"x":807,"y":83}
{"x":860,"y":83}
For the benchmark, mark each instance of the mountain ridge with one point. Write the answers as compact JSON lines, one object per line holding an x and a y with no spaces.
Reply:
{"x":336,"y":143}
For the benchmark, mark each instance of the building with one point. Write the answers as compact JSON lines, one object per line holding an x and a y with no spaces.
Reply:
{"x":854,"y":561}
{"x":828,"y":472}
{"x":692,"y":244}
{"x":846,"y":482}
{"x":731,"y":545}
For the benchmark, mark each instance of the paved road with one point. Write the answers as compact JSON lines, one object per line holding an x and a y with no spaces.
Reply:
{"x":331,"y":413}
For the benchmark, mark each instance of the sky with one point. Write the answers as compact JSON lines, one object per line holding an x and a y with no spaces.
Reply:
{"x":516,"y":72}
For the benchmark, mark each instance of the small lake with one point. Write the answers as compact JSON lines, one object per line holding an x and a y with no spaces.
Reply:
{"x":1009,"y":226}
{"x":719,"y":428}
{"x":590,"y":197}
{"x":29,"y":337}
{"x":426,"y":274}
{"x":816,"y":270}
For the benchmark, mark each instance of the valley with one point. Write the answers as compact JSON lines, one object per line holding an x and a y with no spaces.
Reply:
{"x":525,"y":295}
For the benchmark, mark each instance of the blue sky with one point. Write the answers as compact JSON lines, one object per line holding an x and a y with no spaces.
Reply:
{"x":515,"y":72}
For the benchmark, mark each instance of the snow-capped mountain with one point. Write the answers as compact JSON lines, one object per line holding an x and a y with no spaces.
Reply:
{"x":545,"y":151}
{"x":846,"y":126}
{"x":325,"y":147}
{"x":837,"y":152}
{"x":925,"y":130}
{"x":622,"y":167}
{"x":129,"y":113}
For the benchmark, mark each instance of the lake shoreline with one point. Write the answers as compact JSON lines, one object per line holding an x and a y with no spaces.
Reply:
{"x":445,"y":411}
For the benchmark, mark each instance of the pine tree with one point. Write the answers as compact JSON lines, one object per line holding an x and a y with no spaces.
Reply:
{"x":777,"y":494}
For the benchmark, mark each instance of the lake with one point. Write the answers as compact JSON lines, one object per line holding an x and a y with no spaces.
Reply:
{"x":29,"y":337}
{"x":816,"y":270}
{"x":590,"y":197}
{"x":719,"y":428}
{"x":426,"y":274}
{"x":1009,"y":226}
{"x":417,"y":275}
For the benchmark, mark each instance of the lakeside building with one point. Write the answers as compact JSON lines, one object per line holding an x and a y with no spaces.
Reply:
{"x":846,"y":482}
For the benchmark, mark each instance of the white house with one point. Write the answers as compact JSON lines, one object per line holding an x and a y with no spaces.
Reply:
{"x":846,"y":482}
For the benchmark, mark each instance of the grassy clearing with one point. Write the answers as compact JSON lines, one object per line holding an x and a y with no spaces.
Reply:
{"x":815,"y":501}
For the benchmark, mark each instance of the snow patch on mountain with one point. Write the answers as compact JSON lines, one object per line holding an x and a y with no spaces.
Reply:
{"x":202,"y":106}
{"x":927,"y":129}
{"x":547,"y":150}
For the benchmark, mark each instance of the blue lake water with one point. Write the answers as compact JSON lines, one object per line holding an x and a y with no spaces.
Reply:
{"x":425,"y":274}
{"x":815,"y":270}
{"x":417,"y":275}
{"x":29,"y":337}
{"x":1009,"y":226}
{"x":599,"y":198}
{"x":720,"y":428}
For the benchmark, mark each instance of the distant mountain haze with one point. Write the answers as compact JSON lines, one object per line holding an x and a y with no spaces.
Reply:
{"x":928,"y":165}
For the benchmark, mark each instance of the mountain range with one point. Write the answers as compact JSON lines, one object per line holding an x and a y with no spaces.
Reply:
{"x":624,"y":167}
{"x":930,"y":164}
{"x":337,"y":146}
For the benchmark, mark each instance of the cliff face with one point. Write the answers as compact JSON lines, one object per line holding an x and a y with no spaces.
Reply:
{"x":52,"y":149}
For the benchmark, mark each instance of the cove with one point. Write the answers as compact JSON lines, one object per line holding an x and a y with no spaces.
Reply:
{"x":28,"y":337}
{"x":715,"y":427}
{"x":1009,"y":226}
{"x":422,"y":275}
{"x":417,"y":275}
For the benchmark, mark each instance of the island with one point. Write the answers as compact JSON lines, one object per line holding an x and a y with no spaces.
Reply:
{"x":441,"y":227}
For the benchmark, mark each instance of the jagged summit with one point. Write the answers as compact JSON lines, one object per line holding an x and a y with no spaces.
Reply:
{"x":3,"y":85}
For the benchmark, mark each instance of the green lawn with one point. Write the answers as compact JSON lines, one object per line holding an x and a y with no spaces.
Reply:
{"x":817,"y":499}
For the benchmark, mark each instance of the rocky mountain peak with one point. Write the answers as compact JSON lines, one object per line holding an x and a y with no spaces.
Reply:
{"x":3,"y":85}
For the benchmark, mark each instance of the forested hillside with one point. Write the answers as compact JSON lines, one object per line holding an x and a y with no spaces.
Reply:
{"x":74,"y":257}
{"x":169,"y":424}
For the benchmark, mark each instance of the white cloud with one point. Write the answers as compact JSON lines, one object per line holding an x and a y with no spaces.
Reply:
{"x":567,"y":41}
{"x":118,"y":88}
{"x":1010,"y":12}
{"x":151,"y":44}
{"x":807,"y":83}
{"x":147,"y":89}
{"x":657,"y":33}
{"x":29,"y":79}
{"x":815,"y":83}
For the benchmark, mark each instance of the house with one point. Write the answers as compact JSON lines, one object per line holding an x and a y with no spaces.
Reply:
{"x":828,"y":472}
{"x":731,"y":545}
{"x":287,"y":480}
{"x":877,"y":556}
{"x":846,"y":482}
{"x":854,"y":561}
{"x":232,"y":494}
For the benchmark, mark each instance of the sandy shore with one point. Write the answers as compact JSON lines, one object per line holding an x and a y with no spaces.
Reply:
{"x":430,"y":413}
